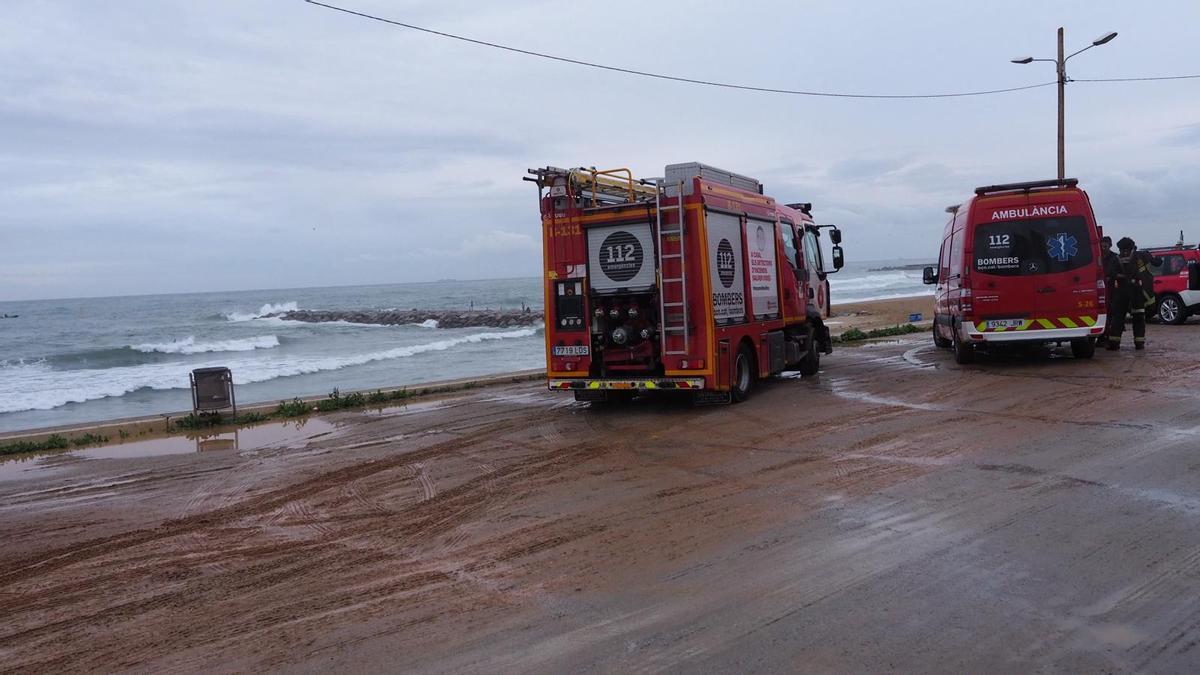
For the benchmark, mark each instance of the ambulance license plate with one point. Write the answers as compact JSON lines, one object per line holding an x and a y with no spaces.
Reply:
{"x":570,"y":350}
{"x":1005,"y":323}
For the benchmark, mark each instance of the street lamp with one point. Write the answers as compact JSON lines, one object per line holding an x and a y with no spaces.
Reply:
{"x":1061,"y":64}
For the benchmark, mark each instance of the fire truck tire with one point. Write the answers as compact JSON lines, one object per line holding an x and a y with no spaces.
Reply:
{"x":1172,"y":310}
{"x":939,"y":341}
{"x":1084,"y":348}
{"x":963,"y":353}
{"x":810,"y":363}
{"x":743,"y":374}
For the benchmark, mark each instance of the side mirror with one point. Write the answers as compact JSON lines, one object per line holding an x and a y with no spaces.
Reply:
{"x":839,"y":258}
{"x":929,"y":275}
{"x":835,"y":235}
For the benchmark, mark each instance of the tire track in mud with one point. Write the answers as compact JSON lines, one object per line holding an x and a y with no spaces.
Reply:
{"x":439,"y":513}
{"x":265,"y":503}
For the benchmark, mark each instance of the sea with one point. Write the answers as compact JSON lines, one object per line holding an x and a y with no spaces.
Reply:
{"x":72,"y":361}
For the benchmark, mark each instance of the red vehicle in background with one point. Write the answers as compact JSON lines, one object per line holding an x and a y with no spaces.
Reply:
{"x":1020,"y":264}
{"x":695,"y":282}
{"x":1176,"y":272}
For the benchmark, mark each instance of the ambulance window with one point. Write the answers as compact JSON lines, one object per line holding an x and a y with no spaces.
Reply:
{"x":956,"y":253}
{"x":944,"y":270}
{"x":789,"y":241}
{"x":1038,"y":246}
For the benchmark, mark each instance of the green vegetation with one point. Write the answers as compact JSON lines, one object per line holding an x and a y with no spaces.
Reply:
{"x":195,"y":421}
{"x":88,"y":439}
{"x":292,"y":408}
{"x":55,"y":442}
{"x":251,"y":418}
{"x":337,"y":402}
{"x":854,"y":334}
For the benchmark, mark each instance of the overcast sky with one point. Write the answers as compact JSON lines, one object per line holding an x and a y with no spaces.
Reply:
{"x":151,"y":146}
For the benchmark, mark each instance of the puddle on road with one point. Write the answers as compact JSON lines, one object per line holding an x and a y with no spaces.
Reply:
{"x":249,"y":438}
{"x":414,"y":408}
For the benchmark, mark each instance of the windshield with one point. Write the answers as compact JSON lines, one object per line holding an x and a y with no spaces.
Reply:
{"x":1038,"y":246}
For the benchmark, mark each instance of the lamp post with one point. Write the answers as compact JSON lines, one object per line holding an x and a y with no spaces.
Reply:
{"x":1061,"y":65}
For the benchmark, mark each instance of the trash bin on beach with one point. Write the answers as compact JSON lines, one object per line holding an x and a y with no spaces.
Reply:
{"x":212,"y":390}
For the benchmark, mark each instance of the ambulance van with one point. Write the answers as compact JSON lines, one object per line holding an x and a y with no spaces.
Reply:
{"x":1020,"y":265}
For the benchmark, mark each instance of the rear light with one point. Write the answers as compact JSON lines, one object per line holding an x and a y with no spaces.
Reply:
{"x":1101,"y":295}
{"x":966,"y":302}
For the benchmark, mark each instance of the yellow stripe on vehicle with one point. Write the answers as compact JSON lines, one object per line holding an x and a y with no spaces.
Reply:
{"x":1047,"y":323}
{"x":1025,"y":323}
{"x":1088,"y":321}
{"x":1066,"y":321}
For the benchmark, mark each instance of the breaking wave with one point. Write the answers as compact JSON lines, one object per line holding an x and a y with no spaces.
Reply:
{"x":265,"y":310}
{"x":38,"y":386}
{"x":189,"y":345}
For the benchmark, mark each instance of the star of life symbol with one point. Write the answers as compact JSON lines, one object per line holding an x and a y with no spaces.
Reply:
{"x":1062,"y":247}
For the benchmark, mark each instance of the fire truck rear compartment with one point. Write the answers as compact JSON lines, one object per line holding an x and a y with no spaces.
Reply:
{"x":624,"y":334}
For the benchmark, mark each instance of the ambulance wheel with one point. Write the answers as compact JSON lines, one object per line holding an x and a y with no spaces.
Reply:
{"x":1084,"y":348}
{"x":963,"y":353}
{"x":810,"y":363}
{"x":743,"y":374}
{"x":939,"y":341}
{"x":1171,"y":310}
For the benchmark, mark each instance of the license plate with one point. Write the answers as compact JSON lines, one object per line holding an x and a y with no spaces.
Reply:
{"x":570,"y":350}
{"x":1005,"y":323}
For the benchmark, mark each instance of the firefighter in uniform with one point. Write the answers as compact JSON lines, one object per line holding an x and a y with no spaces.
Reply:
{"x":1133,"y":291}
{"x":1109,"y":263}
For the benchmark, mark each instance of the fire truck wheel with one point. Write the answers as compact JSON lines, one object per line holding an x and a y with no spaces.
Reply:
{"x":1171,"y":310}
{"x":963,"y":353}
{"x":743,"y":374}
{"x":1084,"y":348}
{"x":810,"y":363}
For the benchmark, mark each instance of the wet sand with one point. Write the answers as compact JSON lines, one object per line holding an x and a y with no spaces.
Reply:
{"x":895,"y":513}
{"x":880,"y":313}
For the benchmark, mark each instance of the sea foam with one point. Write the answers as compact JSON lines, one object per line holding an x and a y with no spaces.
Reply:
{"x":265,"y":310}
{"x":189,"y":345}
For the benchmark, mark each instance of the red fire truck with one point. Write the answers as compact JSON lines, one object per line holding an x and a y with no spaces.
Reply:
{"x":693,"y":282}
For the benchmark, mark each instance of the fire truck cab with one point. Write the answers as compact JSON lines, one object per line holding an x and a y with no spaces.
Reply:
{"x":1020,"y":264}
{"x":693,"y":282}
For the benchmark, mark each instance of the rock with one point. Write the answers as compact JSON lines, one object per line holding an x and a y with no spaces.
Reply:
{"x":445,"y":318}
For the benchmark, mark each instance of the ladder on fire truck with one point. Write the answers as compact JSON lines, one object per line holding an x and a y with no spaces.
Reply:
{"x":673,"y":312}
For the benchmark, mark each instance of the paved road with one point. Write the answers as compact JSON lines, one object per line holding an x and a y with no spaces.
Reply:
{"x":896,"y":513}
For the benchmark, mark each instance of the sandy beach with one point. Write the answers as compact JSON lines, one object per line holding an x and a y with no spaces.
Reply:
{"x":880,"y":313}
{"x":1007,"y":514}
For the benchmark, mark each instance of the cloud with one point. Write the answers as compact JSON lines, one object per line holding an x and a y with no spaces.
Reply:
{"x":259,"y":143}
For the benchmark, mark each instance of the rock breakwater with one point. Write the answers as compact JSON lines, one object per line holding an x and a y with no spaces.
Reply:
{"x":432,"y":318}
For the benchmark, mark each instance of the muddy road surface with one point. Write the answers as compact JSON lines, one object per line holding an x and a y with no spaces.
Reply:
{"x":895,"y":513}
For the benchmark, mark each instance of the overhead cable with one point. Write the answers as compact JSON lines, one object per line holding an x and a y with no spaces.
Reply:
{"x":688,"y":80}
{"x":728,"y":85}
